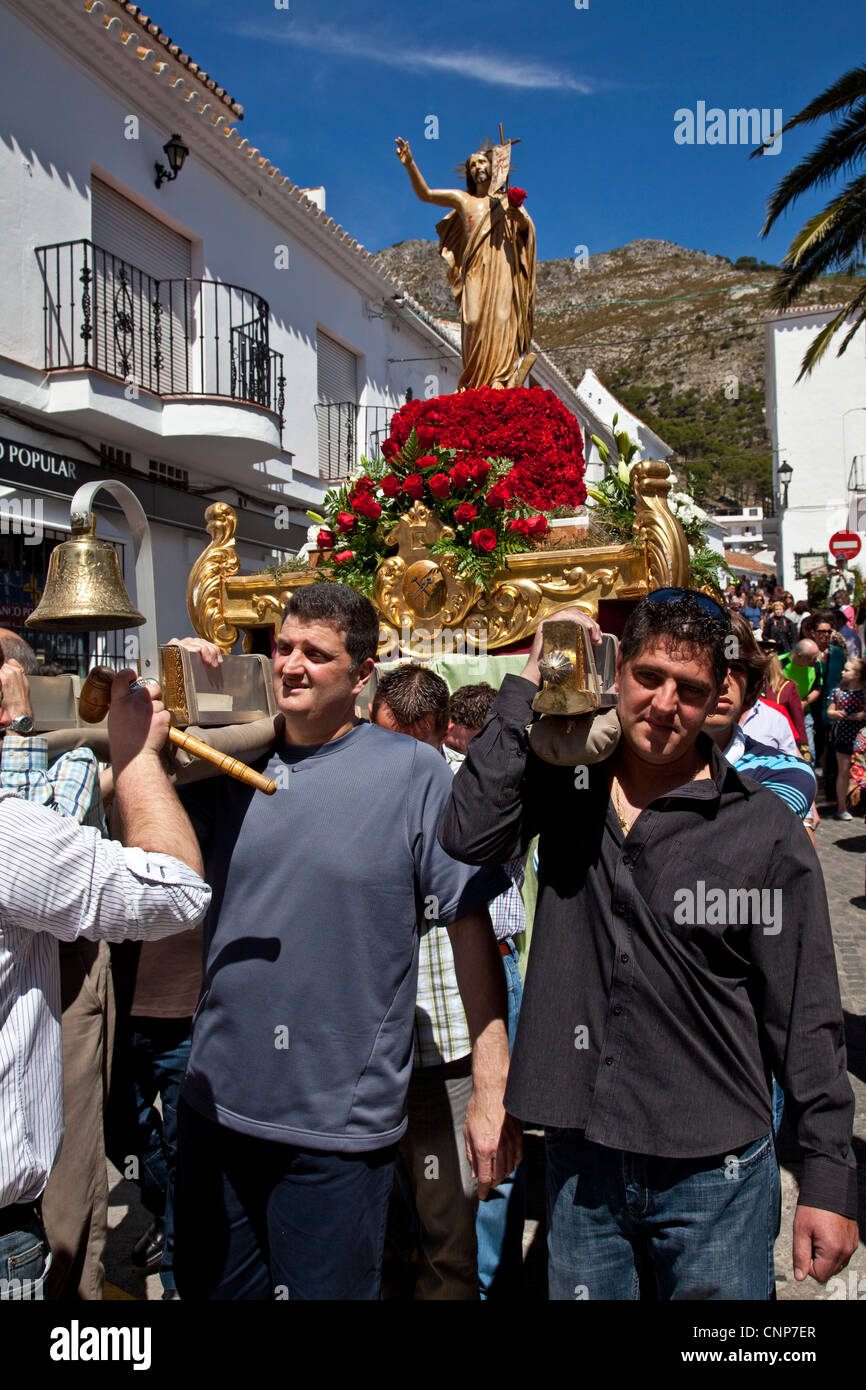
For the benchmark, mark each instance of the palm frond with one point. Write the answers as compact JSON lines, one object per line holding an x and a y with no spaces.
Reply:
{"x":819,"y":346}
{"x":838,"y":151}
{"x":844,"y":92}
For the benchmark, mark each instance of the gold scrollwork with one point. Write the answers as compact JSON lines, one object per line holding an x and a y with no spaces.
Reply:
{"x":204,"y":590}
{"x":667,"y":548}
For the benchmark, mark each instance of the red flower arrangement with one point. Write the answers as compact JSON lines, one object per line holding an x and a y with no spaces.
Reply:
{"x":484,"y":459}
{"x":529,"y":426}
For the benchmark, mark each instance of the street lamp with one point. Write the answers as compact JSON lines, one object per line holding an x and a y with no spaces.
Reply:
{"x":175,"y":152}
{"x":786,"y":473}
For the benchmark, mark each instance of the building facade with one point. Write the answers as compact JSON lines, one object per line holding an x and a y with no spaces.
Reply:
{"x":213,"y":336}
{"x":817,"y":428}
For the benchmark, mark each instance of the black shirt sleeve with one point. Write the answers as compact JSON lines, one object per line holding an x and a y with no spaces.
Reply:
{"x":491,"y":813}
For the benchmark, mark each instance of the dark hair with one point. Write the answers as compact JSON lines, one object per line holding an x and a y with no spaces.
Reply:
{"x":344,"y":609}
{"x":471,"y":704}
{"x":823,"y":615}
{"x":801,"y":606}
{"x":16,"y":649}
{"x":748,"y":652}
{"x":412,"y":693}
{"x":683,"y":622}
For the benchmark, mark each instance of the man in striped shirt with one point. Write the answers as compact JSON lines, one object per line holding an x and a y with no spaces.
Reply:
{"x":60,"y":881}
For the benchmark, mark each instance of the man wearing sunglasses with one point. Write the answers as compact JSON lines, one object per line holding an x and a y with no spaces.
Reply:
{"x":681,"y":953}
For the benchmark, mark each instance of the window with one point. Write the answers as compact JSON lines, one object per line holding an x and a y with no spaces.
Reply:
{"x":337,"y":409}
{"x":134,"y":251}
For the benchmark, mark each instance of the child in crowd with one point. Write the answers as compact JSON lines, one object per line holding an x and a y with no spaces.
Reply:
{"x":847,"y":714}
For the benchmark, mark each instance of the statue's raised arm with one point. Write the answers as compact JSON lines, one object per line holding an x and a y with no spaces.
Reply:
{"x":488,"y":243}
{"x":442,"y":197}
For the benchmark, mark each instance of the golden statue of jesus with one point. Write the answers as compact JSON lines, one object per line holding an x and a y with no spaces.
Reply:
{"x":489,"y":248}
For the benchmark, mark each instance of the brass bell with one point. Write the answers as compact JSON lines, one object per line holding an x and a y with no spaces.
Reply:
{"x":84,"y":590}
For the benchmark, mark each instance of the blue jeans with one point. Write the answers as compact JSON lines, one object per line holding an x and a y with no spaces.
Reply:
{"x":24,"y":1259}
{"x":499,"y":1223}
{"x":260,"y":1220}
{"x":149,"y":1061}
{"x":625,"y":1226}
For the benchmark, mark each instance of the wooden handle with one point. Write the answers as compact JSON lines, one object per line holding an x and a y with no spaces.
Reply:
{"x":93,"y":705}
{"x":232,"y":767}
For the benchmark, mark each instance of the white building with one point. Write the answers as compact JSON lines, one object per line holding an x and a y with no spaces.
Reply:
{"x":743,"y":530}
{"x":818,"y":429}
{"x":218,"y":337}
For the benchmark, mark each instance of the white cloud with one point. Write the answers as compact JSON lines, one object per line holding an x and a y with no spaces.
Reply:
{"x":498,"y":70}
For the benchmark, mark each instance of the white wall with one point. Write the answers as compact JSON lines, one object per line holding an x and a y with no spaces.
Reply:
{"x":69,"y":124}
{"x":817,"y":425}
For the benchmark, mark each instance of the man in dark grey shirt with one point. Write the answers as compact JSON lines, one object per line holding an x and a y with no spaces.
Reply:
{"x":681,"y":951}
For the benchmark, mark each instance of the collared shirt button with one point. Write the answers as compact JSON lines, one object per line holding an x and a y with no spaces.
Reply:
{"x":624,"y":957}
{"x":608,"y":1061}
{"x":627,"y":860}
{"x":617,"y":1010}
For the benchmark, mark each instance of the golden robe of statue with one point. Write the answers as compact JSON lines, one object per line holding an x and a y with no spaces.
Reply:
{"x":489,"y":248}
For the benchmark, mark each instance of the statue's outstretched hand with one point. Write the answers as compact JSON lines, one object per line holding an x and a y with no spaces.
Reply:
{"x":404,"y":154}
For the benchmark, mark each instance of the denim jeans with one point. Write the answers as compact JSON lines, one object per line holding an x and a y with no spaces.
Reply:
{"x":24,"y":1260}
{"x":258,"y":1220}
{"x":625,"y":1226}
{"x":500,"y":1219}
{"x":149,"y":1061}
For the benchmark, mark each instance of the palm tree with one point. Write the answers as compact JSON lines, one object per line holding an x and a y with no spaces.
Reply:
{"x":835,"y":237}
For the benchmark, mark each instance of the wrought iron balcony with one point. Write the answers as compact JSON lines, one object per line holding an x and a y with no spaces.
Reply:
{"x":346,"y":431}
{"x":171,"y":337}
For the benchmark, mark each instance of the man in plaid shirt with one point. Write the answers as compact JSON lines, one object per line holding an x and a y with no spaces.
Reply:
{"x":413,"y":700}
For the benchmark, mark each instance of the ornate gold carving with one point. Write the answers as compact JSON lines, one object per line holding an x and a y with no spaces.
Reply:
{"x":173,"y":683}
{"x":667,"y":548}
{"x":422,"y":601}
{"x":205,"y":594}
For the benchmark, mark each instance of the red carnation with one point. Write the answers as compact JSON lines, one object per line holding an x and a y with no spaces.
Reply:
{"x":537,"y":526}
{"x":427,"y":461}
{"x":341,"y":556}
{"x":390,"y":448}
{"x":460,"y":474}
{"x":440,"y":484}
{"x":426,"y":435}
{"x":465,"y":512}
{"x":516,"y":196}
{"x":413,"y":486}
{"x":390,"y":485}
{"x":498,"y":496}
{"x":325,"y":540}
{"x":484,"y":540}
{"x":345,"y":521}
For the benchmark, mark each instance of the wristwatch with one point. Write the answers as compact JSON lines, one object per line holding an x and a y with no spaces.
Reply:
{"x":22,"y":725}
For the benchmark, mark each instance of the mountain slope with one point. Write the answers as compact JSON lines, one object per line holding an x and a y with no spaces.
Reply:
{"x":676,"y":334}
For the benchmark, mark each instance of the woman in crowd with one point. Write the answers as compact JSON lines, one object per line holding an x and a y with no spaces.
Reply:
{"x":846,"y":713}
{"x":781,"y":691}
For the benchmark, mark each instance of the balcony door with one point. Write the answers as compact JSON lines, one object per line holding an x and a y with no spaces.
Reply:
{"x":337,"y":410}
{"x":140,"y":332}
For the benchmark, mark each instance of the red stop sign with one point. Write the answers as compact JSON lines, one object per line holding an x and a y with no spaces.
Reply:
{"x":845,"y":544}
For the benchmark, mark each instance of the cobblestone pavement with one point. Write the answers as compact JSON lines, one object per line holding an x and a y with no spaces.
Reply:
{"x":842,"y":852}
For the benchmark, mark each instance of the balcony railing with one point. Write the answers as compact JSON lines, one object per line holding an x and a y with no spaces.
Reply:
{"x":346,"y":431}
{"x":171,"y":337}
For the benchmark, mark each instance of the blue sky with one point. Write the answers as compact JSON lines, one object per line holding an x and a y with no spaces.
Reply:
{"x":327,"y":84}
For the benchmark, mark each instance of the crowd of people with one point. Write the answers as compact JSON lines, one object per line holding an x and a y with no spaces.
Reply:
{"x":326,"y":1017}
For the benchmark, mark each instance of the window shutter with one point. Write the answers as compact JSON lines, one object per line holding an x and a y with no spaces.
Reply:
{"x":337,"y":412}
{"x":135,"y":249}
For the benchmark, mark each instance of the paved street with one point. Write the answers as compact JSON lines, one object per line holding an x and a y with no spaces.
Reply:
{"x":842,"y":850}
